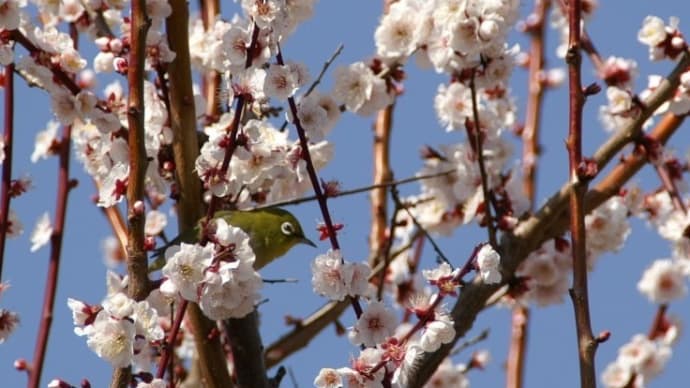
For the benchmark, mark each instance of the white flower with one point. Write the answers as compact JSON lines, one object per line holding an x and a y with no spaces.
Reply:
{"x":437,"y":332}
{"x":103,"y":62}
{"x":184,"y":269}
{"x":112,"y":339}
{"x":155,"y":383}
{"x":397,"y":35}
{"x":453,"y":104}
{"x":360,"y":89}
{"x":620,"y":100}
{"x":43,"y":145}
{"x":359,"y":281}
{"x":156,"y":221}
{"x":313,"y":119}
{"x":448,"y":375}
{"x":330,"y":277}
{"x":280,"y":83}
{"x":146,"y":321}
{"x":653,"y":31}
{"x":64,"y":105}
{"x":232,"y":289}
{"x":42,"y":232}
{"x":227,"y":234}
{"x":71,"y":61}
{"x":607,"y":227}
{"x":115,"y":283}
{"x":359,"y":375}
{"x":616,"y":375}
{"x":114,"y":186}
{"x":488,"y":262}
{"x":663,"y":282}
{"x":118,"y":305}
{"x":644,"y":356}
{"x":80,"y":311}
{"x":328,"y":378}
{"x":548,"y":272}
{"x":10,"y":14}
{"x":374,"y":325}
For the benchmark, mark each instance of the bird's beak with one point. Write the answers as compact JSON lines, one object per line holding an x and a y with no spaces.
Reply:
{"x":307,"y":241}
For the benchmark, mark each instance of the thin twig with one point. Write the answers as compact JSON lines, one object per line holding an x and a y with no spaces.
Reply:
{"x":475,"y":138}
{"x":579,"y":293}
{"x":318,"y":79}
{"x":8,"y":145}
{"x":383,"y":173}
{"x":313,"y":177}
{"x":137,"y":262}
{"x":470,"y":342}
{"x":56,"y":239}
{"x":515,"y":364}
{"x":359,"y":190}
{"x":385,"y":254}
{"x":437,"y":249}
{"x":551,"y":219}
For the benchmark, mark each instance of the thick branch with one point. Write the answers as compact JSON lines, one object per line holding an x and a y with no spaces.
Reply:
{"x":137,"y":262}
{"x":212,"y":358}
{"x":551,"y":220}
{"x":7,"y":145}
{"x":579,"y":293}
{"x":247,"y":351}
{"x":56,"y":238}
{"x":382,"y":174}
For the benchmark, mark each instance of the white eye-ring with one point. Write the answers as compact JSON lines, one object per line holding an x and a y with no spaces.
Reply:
{"x":287,"y":228}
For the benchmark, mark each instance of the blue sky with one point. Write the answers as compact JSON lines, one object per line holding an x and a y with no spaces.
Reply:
{"x":552,"y":359}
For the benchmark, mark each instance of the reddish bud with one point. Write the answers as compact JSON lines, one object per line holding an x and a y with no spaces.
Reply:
{"x":591,"y":89}
{"x":330,"y":188}
{"x":20,"y":364}
{"x":325,"y":233}
{"x":121,"y":65}
{"x":603,"y":336}
{"x":138,"y":208}
{"x":149,"y":243}
{"x":587,"y":169}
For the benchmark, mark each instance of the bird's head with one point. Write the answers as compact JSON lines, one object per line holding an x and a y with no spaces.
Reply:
{"x":273,"y":232}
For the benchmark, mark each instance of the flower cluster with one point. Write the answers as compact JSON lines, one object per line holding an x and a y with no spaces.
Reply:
{"x":266,"y":168}
{"x":547,"y":273}
{"x":120,"y":330}
{"x":219,"y":277}
{"x":336,"y":279}
{"x":638,"y":361}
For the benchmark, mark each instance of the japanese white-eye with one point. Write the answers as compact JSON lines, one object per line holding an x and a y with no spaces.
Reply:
{"x":272,"y":233}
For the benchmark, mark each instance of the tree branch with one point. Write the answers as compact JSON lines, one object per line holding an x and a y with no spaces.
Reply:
{"x":551,"y":220}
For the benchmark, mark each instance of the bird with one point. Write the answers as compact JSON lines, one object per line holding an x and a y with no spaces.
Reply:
{"x":272,"y":233}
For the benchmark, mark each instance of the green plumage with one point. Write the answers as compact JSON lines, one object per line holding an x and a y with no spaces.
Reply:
{"x":272,"y":233}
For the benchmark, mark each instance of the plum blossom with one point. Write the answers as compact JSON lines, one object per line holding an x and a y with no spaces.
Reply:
{"x":374,"y":325}
{"x":42,"y":232}
{"x":663,"y":281}
{"x":449,"y":375}
{"x":43,"y":145}
{"x":399,"y":32}
{"x":488,"y":263}
{"x":155,"y":222}
{"x":328,"y":378}
{"x":360,"y":89}
{"x":111,"y":339}
{"x":335,"y":279}
{"x":184,"y":269}
{"x":437,"y":332}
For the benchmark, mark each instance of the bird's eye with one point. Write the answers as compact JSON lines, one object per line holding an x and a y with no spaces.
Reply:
{"x":287,"y":228}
